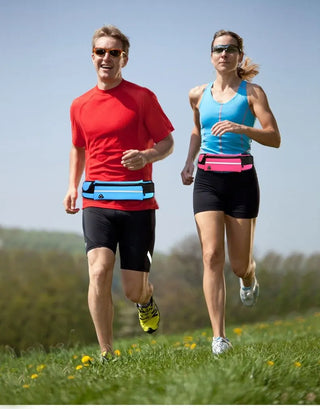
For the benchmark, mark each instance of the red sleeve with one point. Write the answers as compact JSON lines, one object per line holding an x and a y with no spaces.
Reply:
{"x":78,"y":138}
{"x":156,"y":121}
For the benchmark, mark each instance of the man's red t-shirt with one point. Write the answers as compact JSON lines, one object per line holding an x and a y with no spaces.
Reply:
{"x":107,"y":123}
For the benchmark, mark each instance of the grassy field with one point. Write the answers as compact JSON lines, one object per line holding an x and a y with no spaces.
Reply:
{"x":271,"y":363}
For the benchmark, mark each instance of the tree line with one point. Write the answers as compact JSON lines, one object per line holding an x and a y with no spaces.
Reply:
{"x":44,"y":294}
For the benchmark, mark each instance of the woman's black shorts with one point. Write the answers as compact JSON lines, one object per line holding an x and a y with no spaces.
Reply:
{"x":236,"y":194}
{"x":134,"y":231}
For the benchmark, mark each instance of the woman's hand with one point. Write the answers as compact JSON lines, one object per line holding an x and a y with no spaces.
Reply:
{"x":187,"y":174}
{"x":222,"y":127}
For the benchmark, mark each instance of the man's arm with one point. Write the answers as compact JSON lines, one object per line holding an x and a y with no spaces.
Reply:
{"x":77,"y":162}
{"x":134,"y":159}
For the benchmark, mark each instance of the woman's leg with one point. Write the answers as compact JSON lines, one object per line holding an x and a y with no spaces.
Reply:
{"x":210,"y":225}
{"x":240,"y":236}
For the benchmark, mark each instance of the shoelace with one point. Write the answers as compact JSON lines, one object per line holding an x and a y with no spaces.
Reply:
{"x":147,"y":312}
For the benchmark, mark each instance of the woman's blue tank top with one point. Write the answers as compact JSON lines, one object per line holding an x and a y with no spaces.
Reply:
{"x":236,"y":110}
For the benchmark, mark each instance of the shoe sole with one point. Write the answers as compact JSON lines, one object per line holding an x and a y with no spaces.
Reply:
{"x":150,"y":330}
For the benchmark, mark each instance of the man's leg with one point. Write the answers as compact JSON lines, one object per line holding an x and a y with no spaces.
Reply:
{"x":136,"y":286}
{"x":139,"y":290}
{"x":101,"y":263}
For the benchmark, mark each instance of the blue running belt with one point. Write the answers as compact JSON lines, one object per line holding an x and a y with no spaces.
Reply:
{"x":133,"y":190}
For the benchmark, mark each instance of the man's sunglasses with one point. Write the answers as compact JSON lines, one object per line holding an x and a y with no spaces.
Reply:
{"x":229,"y":48}
{"x":114,"y":52}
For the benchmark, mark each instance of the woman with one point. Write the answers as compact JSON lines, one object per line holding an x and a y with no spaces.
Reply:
{"x":226,"y":190}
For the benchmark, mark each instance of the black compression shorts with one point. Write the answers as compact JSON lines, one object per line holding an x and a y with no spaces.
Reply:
{"x":134,"y":231}
{"x":236,"y":194}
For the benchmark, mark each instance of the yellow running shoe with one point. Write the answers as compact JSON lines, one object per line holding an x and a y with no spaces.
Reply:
{"x":149,"y":317}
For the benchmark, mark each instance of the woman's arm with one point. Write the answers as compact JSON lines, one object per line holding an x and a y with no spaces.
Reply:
{"x":195,"y":139}
{"x":269,"y":135}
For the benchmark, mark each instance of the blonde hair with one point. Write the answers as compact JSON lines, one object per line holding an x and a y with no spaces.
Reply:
{"x":111,"y":31}
{"x":246,"y":70}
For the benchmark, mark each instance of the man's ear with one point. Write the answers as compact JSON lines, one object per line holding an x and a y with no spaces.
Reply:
{"x":124,"y":60}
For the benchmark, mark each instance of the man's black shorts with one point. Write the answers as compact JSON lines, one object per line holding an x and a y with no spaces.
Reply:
{"x":134,"y":231}
{"x":234,"y":193}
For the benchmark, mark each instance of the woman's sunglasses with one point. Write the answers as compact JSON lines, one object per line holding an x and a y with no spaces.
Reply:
{"x":229,"y":48}
{"x":114,"y":52}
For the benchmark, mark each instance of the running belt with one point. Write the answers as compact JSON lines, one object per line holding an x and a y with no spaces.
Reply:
{"x":225,"y":163}
{"x":133,"y":190}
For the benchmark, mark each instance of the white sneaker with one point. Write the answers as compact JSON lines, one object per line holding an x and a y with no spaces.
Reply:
{"x":220,"y":345}
{"x":249,"y":295}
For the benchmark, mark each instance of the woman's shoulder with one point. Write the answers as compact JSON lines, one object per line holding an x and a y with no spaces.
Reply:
{"x":196,"y":93}
{"x":254,"y":89}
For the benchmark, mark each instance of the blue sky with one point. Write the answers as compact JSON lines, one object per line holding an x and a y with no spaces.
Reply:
{"x":46,"y":64}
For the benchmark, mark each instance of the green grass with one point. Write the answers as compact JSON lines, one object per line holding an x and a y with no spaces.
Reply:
{"x":271,"y":363}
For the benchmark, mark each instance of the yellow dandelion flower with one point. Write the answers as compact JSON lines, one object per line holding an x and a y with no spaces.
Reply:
{"x":279,"y":322}
{"x":153,"y":342}
{"x":86,"y":359}
{"x":192,"y":346}
{"x":117,"y":352}
{"x":26,"y":386}
{"x":30,"y":366}
{"x":187,"y":339}
{"x":297,"y":364}
{"x":134,"y":346}
{"x":34,"y":376}
{"x":263,"y":325}
{"x":187,"y":345}
{"x":75,"y":357}
{"x":138,"y":350}
{"x":177,"y":344}
{"x":70,"y":377}
{"x":204,"y":334}
{"x":130,"y":351}
{"x":270,"y":363}
{"x":79,"y":367}
{"x":40,"y":367}
{"x":238,"y":331}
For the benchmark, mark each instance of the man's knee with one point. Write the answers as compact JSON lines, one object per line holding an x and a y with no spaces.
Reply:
{"x":137,"y":290}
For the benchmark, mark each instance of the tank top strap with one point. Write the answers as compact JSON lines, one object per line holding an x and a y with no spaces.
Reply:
{"x":206,"y":94}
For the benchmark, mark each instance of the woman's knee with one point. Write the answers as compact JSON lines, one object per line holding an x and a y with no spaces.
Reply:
{"x":213,"y":257}
{"x":243,"y":268}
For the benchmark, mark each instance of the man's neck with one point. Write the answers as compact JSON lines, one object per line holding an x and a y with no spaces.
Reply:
{"x":105,"y":86}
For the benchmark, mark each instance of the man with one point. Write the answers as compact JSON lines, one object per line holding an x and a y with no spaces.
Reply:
{"x":118,"y":131}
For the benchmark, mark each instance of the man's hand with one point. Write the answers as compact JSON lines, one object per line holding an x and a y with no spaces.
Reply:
{"x":69,"y":202}
{"x":133,"y":159}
